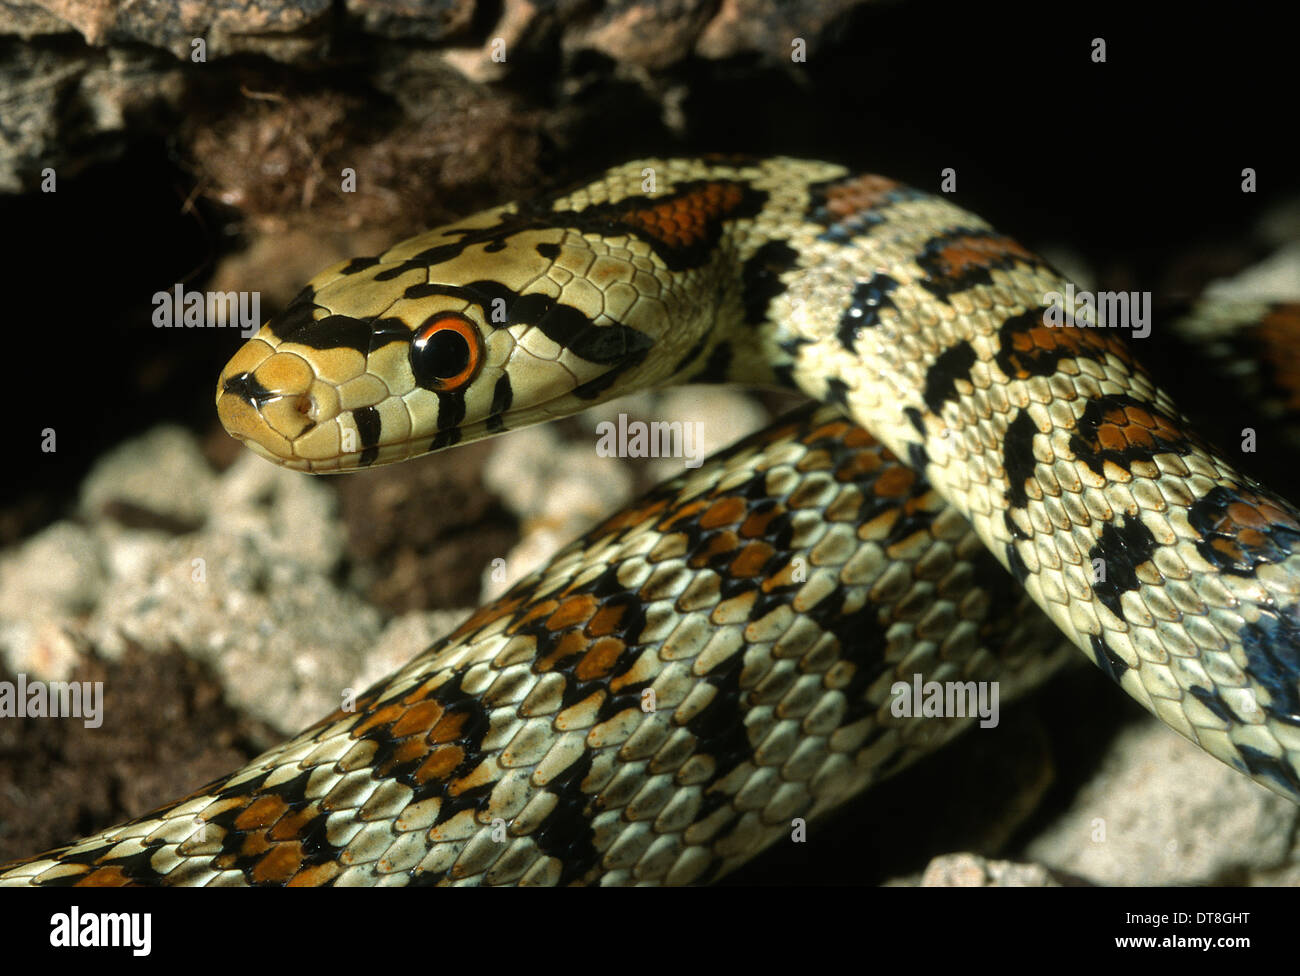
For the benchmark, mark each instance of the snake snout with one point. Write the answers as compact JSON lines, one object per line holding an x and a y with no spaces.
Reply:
{"x":270,"y":405}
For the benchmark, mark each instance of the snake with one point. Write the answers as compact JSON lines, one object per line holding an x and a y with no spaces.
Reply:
{"x":985,"y":483}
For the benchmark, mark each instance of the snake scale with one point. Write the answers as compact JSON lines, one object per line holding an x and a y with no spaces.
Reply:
{"x":679,"y":687}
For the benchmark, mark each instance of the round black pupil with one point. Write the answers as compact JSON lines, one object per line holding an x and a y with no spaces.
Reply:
{"x":445,"y":354}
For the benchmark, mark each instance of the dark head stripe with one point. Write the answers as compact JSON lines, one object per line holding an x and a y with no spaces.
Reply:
{"x":369,"y":427}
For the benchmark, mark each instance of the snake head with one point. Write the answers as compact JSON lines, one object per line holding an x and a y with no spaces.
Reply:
{"x":450,"y":337}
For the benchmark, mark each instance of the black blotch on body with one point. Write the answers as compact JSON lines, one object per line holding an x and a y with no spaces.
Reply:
{"x":784,"y":372}
{"x":1035,"y":360}
{"x":1086,"y":445}
{"x":1123,"y":546}
{"x":917,"y":456}
{"x":1271,"y":659}
{"x":843,"y":224}
{"x":837,"y":391}
{"x":942,"y":278}
{"x":1261,"y":764}
{"x":313,"y":838}
{"x":1111,"y":664}
{"x":1272,"y":543}
{"x":1018,"y":458}
{"x":566,"y":831}
{"x":1015,"y":564}
{"x":760,"y":278}
{"x":953,"y":364}
{"x":138,"y":866}
{"x":720,"y":725}
{"x":473,"y":730}
{"x":1216,"y":705}
{"x":868,"y":298}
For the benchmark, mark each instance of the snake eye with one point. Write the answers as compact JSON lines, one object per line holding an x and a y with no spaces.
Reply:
{"x":446,"y":352}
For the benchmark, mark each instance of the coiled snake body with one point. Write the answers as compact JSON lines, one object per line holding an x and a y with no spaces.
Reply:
{"x":675,"y":689}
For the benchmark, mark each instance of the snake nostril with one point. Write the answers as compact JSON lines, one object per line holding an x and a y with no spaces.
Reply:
{"x":305,"y":405}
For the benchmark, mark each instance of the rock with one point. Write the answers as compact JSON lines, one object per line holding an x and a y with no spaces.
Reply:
{"x":162,"y":474}
{"x":1161,"y":811}
{"x":973,"y":871}
{"x":58,"y":572}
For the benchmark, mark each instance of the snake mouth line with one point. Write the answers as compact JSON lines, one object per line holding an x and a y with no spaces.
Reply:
{"x":394,"y":451}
